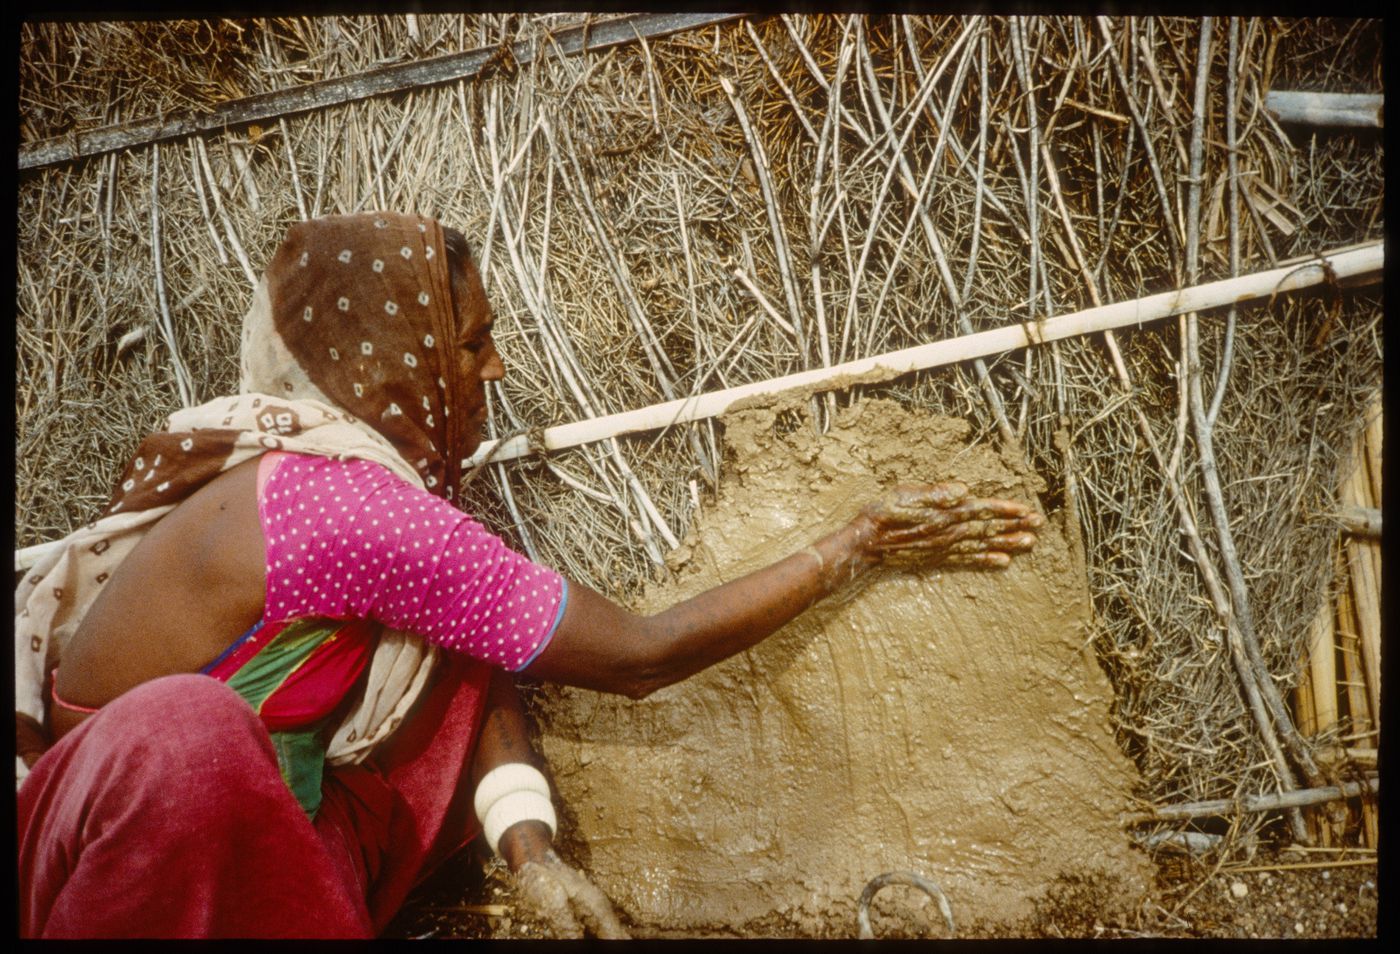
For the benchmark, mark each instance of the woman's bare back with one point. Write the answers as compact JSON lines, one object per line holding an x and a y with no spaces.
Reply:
{"x":192,"y":586}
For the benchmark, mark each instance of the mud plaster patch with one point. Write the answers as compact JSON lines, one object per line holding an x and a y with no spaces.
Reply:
{"x":948,"y":723}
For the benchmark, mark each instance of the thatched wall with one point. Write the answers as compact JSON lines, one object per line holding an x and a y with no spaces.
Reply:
{"x":613,"y":197}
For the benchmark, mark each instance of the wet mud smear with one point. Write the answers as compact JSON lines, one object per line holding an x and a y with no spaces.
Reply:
{"x":949,"y":723}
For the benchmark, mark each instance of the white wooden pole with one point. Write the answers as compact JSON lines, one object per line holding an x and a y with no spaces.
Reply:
{"x":1352,"y":262}
{"x":1326,"y":109}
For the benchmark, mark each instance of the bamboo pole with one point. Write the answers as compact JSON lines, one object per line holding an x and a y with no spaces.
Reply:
{"x":1363,"y":260}
{"x":1254,"y":803}
{"x":1375,"y":437}
{"x":386,"y":80}
{"x":1317,"y":700}
{"x":1353,"y":689}
{"x":1304,"y":705}
{"x":1326,"y":109}
{"x":1322,"y":667}
{"x":1365,"y":584}
{"x":1358,"y":261}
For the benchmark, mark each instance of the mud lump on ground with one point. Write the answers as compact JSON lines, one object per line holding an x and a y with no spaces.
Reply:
{"x":948,"y":723}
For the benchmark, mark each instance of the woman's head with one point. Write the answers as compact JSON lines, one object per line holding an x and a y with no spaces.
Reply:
{"x":384,"y":316}
{"x":477,"y":358}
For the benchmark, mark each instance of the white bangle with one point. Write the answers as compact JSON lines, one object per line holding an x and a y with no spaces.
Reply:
{"x":512,"y":793}
{"x":507,"y":778}
{"x":516,"y":807}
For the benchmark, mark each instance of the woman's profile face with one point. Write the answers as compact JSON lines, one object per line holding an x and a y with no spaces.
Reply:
{"x":476,"y":355}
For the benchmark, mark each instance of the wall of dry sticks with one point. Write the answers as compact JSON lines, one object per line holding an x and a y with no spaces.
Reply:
{"x":673,"y":215}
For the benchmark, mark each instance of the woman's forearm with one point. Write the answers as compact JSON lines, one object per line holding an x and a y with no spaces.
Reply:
{"x":599,"y":645}
{"x":735,"y":616}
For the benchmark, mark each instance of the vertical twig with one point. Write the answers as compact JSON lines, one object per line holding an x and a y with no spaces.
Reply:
{"x":989,"y":390}
{"x":292,"y":164}
{"x":204,"y":203}
{"x":223,"y":216}
{"x":167,"y":327}
{"x":1241,"y":613}
{"x":1141,"y":121}
{"x":1231,"y":111}
{"x":775,"y":222}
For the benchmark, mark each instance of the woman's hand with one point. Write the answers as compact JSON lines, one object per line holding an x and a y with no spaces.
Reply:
{"x":31,"y":741}
{"x":940,"y":524}
{"x":553,"y":891}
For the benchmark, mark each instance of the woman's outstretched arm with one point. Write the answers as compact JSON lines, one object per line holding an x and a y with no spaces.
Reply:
{"x":599,"y":645}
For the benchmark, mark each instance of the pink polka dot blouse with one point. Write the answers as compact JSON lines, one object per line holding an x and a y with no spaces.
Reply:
{"x":347,"y":539}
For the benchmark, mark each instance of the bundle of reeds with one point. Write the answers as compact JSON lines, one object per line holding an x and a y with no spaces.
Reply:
{"x":1339,"y":689}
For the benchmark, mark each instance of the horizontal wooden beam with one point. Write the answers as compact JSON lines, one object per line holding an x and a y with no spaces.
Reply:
{"x":348,"y":89}
{"x":1326,"y":109}
{"x":1364,"y":522}
{"x":1352,"y":263}
{"x":1255,"y":803}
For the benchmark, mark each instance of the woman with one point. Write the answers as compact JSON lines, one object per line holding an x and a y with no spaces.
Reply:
{"x":297,"y":543}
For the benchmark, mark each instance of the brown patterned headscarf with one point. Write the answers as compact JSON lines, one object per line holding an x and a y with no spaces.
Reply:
{"x":348,"y":350}
{"x":355,"y":312}
{"x":363,"y":304}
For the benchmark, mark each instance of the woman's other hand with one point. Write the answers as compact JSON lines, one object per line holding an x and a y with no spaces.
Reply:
{"x":940,"y":523}
{"x":554,"y":891}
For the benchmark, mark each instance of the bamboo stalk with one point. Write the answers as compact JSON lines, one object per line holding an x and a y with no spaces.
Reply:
{"x":1355,"y":688}
{"x":885,"y":367}
{"x":1375,"y":438}
{"x":1254,"y":803}
{"x":1365,"y":587}
{"x":1305,"y":710}
{"x":1326,"y":109}
{"x":1322,"y":667}
{"x":1304,"y":706}
{"x":348,"y":89}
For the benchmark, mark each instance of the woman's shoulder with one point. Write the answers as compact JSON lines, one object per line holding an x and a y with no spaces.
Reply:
{"x":300,"y":479}
{"x":302,"y":466}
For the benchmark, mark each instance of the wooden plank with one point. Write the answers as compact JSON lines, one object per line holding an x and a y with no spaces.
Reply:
{"x":348,"y":89}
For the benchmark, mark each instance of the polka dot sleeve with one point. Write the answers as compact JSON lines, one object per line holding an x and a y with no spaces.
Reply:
{"x":347,"y":539}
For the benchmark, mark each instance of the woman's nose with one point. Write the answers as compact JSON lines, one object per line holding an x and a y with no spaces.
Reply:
{"x":493,"y":368}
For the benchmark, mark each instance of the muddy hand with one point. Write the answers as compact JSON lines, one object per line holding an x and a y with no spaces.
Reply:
{"x":941,"y":523}
{"x":566,"y":900}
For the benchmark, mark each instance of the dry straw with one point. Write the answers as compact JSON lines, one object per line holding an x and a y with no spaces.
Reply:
{"x":732,"y":204}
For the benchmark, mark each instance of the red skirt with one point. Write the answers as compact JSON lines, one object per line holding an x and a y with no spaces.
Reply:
{"x":165,"y":815}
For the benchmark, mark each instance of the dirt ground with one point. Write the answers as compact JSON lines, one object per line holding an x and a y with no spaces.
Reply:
{"x":469,"y":899}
